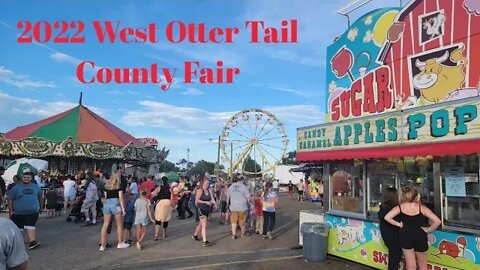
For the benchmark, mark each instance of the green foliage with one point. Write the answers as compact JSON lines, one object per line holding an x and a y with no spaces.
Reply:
{"x":250,"y":165}
{"x":290,"y":158}
{"x":201,"y":167}
{"x":168,"y":166}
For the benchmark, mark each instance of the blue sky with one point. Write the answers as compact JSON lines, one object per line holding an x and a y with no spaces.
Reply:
{"x":39,"y":80}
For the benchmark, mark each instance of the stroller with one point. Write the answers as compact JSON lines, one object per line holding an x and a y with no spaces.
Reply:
{"x":76,"y":208}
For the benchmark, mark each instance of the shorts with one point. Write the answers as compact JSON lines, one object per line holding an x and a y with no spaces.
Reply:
{"x":238,"y":217}
{"x":223,"y":206}
{"x":89,"y":206}
{"x":58,"y":207}
{"x":51,"y":206}
{"x":26,"y":222}
{"x":203,"y":212}
{"x":413,"y":239}
{"x":300,"y":192}
{"x":70,"y":197}
{"x":159,"y":223}
{"x":127,"y":225}
{"x":141,"y":221}
{"x":111,"y":207}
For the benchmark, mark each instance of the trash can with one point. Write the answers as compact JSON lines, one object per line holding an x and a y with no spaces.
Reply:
{"x":314,"y":241}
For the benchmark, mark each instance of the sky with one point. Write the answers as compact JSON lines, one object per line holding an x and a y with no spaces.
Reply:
{"x":38,"y":80}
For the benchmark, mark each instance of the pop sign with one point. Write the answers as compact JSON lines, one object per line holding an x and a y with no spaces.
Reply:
{"x":421,"y":125}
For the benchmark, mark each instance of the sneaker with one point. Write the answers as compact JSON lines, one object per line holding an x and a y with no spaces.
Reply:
{"x":108,"y":245}
{"x":102,"y":248}
{"x":33,"y":245}
{"x":264,"y":236}
{"x":206,"y":244}
{"x":139,"y":246}
{"x":123,"y":245}
{"x":189,"y":216}
{"x":130,"y":242}
{"x":234,"y":237}
{"x":156,"y":238}
{"x":269,"y":235}
{"x":194,"y":237}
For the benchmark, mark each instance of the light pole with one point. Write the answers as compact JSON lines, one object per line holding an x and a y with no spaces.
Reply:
{"x":231,"y":161}
{"x":217,"y":166}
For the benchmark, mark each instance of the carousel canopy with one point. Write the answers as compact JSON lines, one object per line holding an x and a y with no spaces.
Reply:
{"x":78,"y":132}
{"x":79,"y":123}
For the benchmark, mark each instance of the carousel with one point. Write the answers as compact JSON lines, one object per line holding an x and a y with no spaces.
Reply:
{"x":78,"y":139}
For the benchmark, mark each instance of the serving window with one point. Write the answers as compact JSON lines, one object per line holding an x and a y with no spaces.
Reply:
{"x":460,"y":190}
{"x":347,"y":187}
{"x":381,"y":174}
{"x":418,"y":172}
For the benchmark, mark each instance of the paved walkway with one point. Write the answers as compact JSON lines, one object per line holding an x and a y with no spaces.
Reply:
{"x":71,"y":246}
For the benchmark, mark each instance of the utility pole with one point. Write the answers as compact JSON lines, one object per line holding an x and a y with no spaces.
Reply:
{"x":231,"y":161}
{"x":218,"y":158}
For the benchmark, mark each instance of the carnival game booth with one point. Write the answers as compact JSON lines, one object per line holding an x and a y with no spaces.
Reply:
{"x":77,"y":139}
{"x":403,"y":109}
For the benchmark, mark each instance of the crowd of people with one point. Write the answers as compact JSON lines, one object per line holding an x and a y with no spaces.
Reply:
{"x":247,"y":205}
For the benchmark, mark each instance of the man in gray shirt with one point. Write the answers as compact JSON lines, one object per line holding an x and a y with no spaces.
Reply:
{"x":12,"y":249}
{"x":239,"y":198}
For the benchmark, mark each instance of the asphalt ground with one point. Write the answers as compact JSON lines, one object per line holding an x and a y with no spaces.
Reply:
{"x":72,"y":246}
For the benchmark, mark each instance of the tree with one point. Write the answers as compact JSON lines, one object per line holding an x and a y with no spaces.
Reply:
{"x":201,"y":167}
{"x":290,"y":158}
{"x":252,"y":166}
{"x":168,"y":166}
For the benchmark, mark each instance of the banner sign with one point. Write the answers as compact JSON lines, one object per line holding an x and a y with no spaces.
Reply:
{"x":455,"y":182}
{"x":361,"y":241}
{"x":436,"y":123}
{"x":390,"y":59}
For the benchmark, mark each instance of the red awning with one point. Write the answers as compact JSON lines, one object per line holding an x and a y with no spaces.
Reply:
{"x":434,"y":149}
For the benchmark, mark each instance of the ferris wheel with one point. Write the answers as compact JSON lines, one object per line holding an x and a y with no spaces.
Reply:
{"x":253,"y":141}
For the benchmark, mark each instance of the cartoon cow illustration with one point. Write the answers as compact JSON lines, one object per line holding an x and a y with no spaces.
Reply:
{"x":437,"y":80}
{"x":433,"y":25}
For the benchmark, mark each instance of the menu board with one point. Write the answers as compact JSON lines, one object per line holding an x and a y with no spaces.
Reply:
{"x":455,"y":182}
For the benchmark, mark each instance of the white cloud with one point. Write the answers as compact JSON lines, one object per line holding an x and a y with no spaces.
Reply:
{"x":24,"y":111}
{"x":287,"y":90}
{"x":299,"y":115}
{"x":22,"y":81}
{"x":192,"y":92}
{"x":188,"y":120}
{"x":62,"y":57}
{"x":180,"y":119}
{"x":5,"y":24}
{"x":312,"y":60}
{"x":122,"y":93}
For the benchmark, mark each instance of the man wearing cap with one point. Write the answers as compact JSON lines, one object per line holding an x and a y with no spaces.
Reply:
{"x":25,"y":201}
{"x":3,"y":188}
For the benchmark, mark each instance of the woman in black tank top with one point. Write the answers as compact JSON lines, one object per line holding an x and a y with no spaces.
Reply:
{"x":413,"y":233}
{"x":204,"y":200}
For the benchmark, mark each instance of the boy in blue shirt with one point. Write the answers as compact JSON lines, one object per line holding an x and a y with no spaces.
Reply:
{"x":25,"y":201}
{"x":129,"y":218}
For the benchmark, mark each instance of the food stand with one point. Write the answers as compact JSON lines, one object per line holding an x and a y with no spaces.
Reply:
{"x":403,"y":109}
